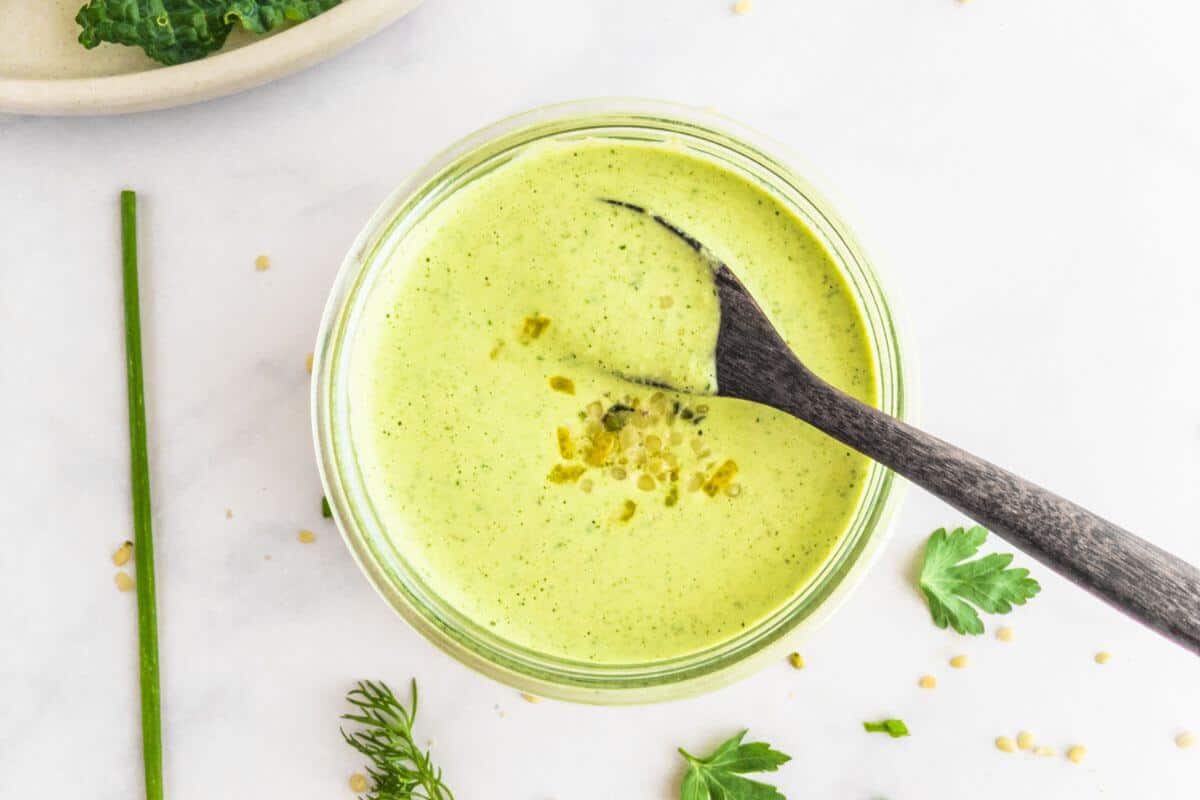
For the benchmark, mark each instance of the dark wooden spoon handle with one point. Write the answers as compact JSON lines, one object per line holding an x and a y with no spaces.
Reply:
{"x":1151,"y":585}
{"x":754,"y":363}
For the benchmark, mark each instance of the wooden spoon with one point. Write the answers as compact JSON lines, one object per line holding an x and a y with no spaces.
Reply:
{"x":755,"y":364}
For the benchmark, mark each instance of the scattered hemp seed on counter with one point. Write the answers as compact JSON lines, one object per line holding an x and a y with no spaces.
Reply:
{"x":1005,"y":744}
{"x":1025,"y":740}
{"x":743,"y":7}
{"x":960,"y":662}
{"x":1005,"y":634}
{"x":306,"y":537}
{"x":122,"y":554}
{"x":927,"y":682}
{"x":1185,"y":740}
{"x":124,"y":582}
{"x":358,"y":783}
{"x":308,"y":359}
{"x":1103,"y":657}
{"x":530,"y":698}
{"x":229,"y":513}
{"x":894,"y":728}
{"x":1076,"y":753}
{"x":796,"y":660}
{"x":262,"y":263}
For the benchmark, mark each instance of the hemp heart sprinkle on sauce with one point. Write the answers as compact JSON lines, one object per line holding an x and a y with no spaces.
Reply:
{"x":562,"y":384}
{"x":532,"y":328}
{"x":643,"y":438}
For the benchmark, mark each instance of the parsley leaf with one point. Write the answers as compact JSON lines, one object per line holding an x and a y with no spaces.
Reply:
{"x":952,"y":584}
{"x":719,"y":776}
{"x":894,"y":728}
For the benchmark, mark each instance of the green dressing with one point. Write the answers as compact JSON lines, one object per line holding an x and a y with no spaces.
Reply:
{"x":524,"y":279}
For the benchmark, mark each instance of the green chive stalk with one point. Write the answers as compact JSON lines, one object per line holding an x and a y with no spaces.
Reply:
{"x":143,"y":541}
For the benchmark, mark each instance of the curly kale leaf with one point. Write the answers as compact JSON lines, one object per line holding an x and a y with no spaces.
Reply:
{"x":261,"y":16}
{"x":177,"y":31}
{"x":170,"y":31}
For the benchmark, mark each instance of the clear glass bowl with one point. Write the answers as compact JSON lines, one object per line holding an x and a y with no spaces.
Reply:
{"x":741,"y":150}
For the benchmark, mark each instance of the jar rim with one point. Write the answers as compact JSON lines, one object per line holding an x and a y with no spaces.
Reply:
{"x":539,"y":673}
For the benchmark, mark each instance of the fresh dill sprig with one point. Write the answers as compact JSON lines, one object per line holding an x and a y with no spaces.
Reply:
{"x":399,"y":769}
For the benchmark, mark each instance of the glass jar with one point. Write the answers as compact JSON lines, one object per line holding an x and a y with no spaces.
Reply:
{"x":738,"y":149}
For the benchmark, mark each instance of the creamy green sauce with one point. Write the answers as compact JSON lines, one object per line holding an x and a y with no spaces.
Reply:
{"x":455,"y":421}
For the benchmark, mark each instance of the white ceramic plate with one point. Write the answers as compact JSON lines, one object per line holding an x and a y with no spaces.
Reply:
{"x":44,"y":70}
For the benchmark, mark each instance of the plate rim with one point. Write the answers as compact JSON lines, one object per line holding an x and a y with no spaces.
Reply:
{"x":208,"y":78}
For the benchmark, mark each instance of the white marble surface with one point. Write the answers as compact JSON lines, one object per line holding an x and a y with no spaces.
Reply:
{"x":1025,"y":174}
